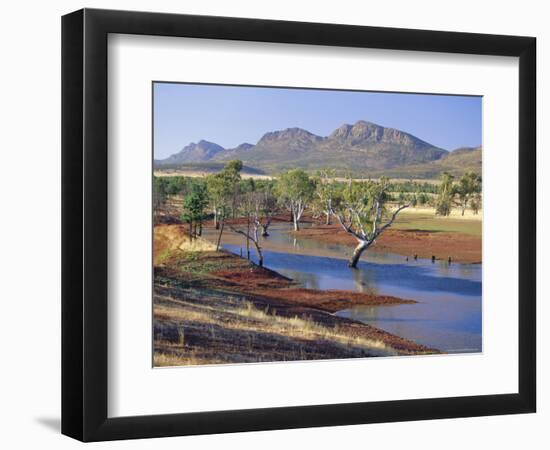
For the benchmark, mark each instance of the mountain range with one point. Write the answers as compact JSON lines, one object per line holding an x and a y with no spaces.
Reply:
{"x":361,"y":147}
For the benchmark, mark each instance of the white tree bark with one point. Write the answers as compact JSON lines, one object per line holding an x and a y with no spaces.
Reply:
{"x":365,"y":238}
{"x":297,"y":207}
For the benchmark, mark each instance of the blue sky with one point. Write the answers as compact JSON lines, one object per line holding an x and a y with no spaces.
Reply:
{"x":231,"y":115}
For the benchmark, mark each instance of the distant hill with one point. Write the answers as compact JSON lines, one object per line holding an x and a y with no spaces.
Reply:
{"x":457,"y":162}
{"x":237,"y":152}
{"x":193,"y":153}
{"x":363,"y":147}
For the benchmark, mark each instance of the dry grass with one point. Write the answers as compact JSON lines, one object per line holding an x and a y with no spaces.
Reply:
{"x":424,"y":219}
{"x":167,"y":360}
{"x":246,"y":318}
{"x":308,"y":329}
{"x":456,"y":213}
{"x":169,"y":238}
{"x":197,"y":245}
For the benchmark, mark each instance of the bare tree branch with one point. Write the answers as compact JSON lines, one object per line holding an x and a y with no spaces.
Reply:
{"x":254,"y":239}
{"x":347,"y":228}
{"x":393,"y":217}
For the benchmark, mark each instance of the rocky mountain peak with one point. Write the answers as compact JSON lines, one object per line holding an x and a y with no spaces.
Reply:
{"x":360,"y":146}
{"x":288,"y":133}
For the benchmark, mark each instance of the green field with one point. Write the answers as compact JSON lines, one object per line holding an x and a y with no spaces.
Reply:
{"x":430,"y":222}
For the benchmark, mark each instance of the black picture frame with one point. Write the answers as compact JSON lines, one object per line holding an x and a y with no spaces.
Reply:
{"x":84,"y":224}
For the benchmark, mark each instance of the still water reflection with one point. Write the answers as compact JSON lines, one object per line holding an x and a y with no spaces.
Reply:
{"x":447,"y":315}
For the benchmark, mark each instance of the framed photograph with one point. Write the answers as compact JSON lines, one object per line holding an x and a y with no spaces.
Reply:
{"x":273,"y":224}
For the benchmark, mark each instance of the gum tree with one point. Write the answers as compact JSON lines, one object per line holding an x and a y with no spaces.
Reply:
{"x":467,"y":190}
{"x":264,"y":206}
{"x":194,"y":206}
{"x":365,"y":213}
{"x":223,"y":189}
{"x":326,"y":193}
{"x":219,"y":192}
{"x":446,"y":194}
{"x":475,"y":203}
{"x":249,"y":206}
{"x":296,"y":190}
{"x":159,"y":196}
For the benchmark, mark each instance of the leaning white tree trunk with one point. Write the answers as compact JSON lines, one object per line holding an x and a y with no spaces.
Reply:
{"x":357,"y":252}
{"x":365,"y":238}
{"x":256,"y":242}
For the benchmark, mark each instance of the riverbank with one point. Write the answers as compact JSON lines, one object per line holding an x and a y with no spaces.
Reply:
{"x":461,"y":247}
{"x":415,"y":232}
{"x":214,"y":307}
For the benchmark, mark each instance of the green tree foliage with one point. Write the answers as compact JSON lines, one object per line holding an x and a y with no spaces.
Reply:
{"x":176,"y":185}
{"x":422,"y":199}
{"x":159,"y":196}
{"x":233,"y":167}
{"x":463,"y":193}
{"x":296,"y":190}
{"x":412,"y":187}
{"x":219,"y":192}
{"x":446,"y":194}
{"x":223,"y":189}
{"x":328,"y":193}
{"x":468,"y":191}
{"x":475,"y":203}
{"x":232,"y":174}
{"x":194,"y":205}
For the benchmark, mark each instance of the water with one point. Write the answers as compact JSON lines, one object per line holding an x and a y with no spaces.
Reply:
{"x":447,"y":315}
